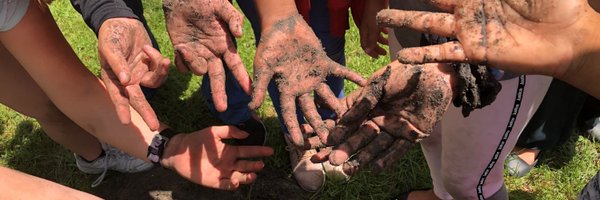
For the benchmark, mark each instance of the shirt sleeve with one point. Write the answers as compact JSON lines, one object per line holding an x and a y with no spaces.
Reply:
{"x":95,"y":12}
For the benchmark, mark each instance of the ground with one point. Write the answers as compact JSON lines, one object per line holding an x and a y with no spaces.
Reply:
{"x":560,"y":174}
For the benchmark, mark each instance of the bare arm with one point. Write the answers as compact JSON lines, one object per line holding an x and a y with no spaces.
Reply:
{"x":21,"y":185}
{"x":75,"y":91}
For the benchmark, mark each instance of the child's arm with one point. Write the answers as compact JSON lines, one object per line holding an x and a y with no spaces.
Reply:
{"x":199,"y":156}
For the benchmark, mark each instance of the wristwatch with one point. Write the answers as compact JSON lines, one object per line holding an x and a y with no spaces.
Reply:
{"x":158,"y":144}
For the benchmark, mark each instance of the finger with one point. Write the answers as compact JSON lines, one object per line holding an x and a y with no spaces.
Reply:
{"x":391,"y":155}
{"x":118,"y":64}
{"x":444,"y":5}
{"x":235,"y":64}
{"x":217,"y":84}
{"x":182,"y":65}
{"x":259,"y":86}
{"x":140,"y":104}
{"x":307,"y":105}
{"x":227,"y":132}
{"x":361,"y":104}
{"x":362,"y":137}
{"x":381,"y":39}
{"x":374,"y":148}
{"x":154,"y":56}
{"x":116,"y":92}
{"x":254,"y":151}
{"x":442,"y":24}
{"x":379,"y":51}
{"x":226,"y":184}
{"x":313,"y":143}
{"x":157,"y":77}
{"x":288,"y":112}
{"x":321,"y":156}
{"x":244,"y":178}
{"x":399,"y":128}
{"x":194,"y":60}
{"x":446,"y":52}
{"x":247,"y":166}
{"x":341,"y":71}
{"x":233,"y":17}
{"x":331,"y":101}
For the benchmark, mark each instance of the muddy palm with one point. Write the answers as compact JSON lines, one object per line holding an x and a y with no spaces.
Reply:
{"x":398,"y":108}
{"x":290,"y":54}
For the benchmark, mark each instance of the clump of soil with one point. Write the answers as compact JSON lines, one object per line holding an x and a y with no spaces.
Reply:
{"x":476,"y":87}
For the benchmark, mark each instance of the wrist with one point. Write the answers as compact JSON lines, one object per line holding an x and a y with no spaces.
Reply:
{"x":170,"y":150}
{"x":586,"y":45}
{"x":272,"y":11}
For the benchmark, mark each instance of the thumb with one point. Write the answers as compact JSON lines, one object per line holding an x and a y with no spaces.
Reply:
{"x":233,"y":17}
{"x":118,"y":65}
{"x":228,"y":184}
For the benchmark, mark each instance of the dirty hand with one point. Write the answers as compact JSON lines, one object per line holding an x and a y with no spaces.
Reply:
{"x":398,"y":108}
{"x":128,"y":61}
{"x":202,"y":35}
{"x":371,"y":34}
{"x":505,"y":34}
{"x":203,"y":158}
{"x":290,"y":53}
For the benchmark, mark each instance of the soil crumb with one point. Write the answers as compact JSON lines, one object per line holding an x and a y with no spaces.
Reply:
{"x":476,"y":86}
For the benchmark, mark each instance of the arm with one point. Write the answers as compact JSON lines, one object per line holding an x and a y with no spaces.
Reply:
{"x":371,"y":35}
{"x":290,"y":54}
{"x":21,"y":185}
{"x":95,"y":12}
{"x":554,"y":38}
{"x":41,"y":49}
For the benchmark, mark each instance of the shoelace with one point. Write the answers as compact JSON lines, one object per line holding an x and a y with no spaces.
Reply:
{"x":111,"y":153}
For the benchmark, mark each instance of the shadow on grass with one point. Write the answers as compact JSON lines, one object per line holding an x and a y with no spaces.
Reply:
{"x":274,"y":182}
{"x":32,"y":152}
{"x":560,"y":156}
{"x":522,"y":195}
{"x":189,"y":114}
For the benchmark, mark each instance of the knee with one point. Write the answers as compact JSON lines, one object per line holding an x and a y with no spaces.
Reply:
{"x":460,"y":187}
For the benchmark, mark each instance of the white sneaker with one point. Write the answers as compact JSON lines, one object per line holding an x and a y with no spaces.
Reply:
{"x":114,"y":159}
{"x":310,"y":176}
{"x":593,"y":128}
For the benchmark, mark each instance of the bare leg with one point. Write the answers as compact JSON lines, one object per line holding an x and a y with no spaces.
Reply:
{"x":21,"y":93}
{"x":21,"y":185}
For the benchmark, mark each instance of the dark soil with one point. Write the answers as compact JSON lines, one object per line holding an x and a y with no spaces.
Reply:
{"x":163,"y":184}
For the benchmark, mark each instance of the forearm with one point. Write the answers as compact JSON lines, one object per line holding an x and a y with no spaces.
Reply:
{"x":585,"y":69}
{"x":95,"y":12}
{"x":25,"y":186}
{"x":271,"y":11}
{"x":50,"y":61}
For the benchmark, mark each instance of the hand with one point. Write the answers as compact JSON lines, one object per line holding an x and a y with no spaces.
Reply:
{"x":203,"y":158}
{"x":398,"y":108}
{"x":503,"y":34}
{"x":371,"y":34}
{"x":290,"y":53}
{"x":201,"y":32}
{"x":128,"y":61}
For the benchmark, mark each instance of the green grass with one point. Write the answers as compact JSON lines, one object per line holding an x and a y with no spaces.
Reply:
{"x":23,"y":145}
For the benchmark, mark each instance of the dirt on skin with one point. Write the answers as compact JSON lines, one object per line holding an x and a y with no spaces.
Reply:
{"x":163,"y":184}
{"x":476,"y":87}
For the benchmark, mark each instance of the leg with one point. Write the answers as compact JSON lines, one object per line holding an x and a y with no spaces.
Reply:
{"x":550,"y":126}
{"x":474,"y":148}
{"x":22,"y":94}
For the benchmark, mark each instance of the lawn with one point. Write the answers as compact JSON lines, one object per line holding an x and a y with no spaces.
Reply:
{"x":561,"y":173}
